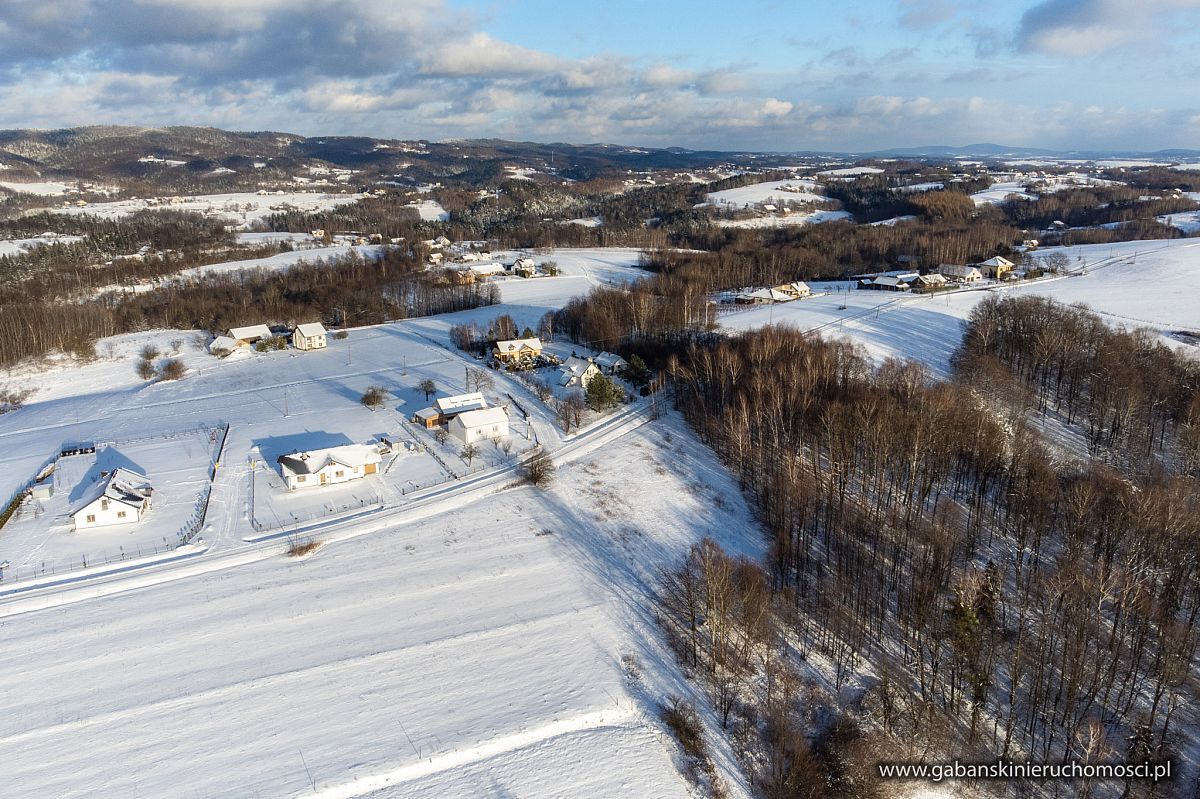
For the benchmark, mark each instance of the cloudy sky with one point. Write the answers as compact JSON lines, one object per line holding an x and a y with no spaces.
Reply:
{"x":802,"y":74}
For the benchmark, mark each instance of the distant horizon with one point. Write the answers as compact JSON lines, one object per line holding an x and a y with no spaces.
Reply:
{"x":902,"y":149}
{"x":1093,"y":75}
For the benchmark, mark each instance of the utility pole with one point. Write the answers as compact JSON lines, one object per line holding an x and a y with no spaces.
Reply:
{"x":285,"y":405}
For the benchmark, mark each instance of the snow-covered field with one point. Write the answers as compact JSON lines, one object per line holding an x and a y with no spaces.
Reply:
{"x":1188,"y":221}
{"x":432,"y":211}
{"x":999,"y":192}
{"x":18,"y":246}
{"x":499,"y":648}
{"x":850,"y":171}
{"x":814,"y":218}
{"x":284,"y":260}
{"x":46,"y":188}
{"x":244,"y":207}
{"x":1135,"y":284}
{"x":773,"y":191}
{"x":485,"y":639}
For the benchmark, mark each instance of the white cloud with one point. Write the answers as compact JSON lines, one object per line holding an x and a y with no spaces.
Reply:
{"x":1087,"y":27}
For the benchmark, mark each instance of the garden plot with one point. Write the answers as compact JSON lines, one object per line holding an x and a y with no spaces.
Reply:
{"x":41,"y":535}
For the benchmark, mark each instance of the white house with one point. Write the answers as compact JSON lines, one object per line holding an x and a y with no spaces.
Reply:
{"x":486,"y":423}
{"x":525,"y":267}
{"x":610,"y":363}
{"x":578,"y":372}
{"x":320,"y":467}
{"x":960,"y":273}
{"x":245,"y":336}
{"x":310,"y":336}
{"x":120,"y":497}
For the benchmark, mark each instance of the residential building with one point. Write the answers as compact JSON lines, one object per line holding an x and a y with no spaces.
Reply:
{"x":578,"y":372}
{"x":996,"y":267}
{"x":610,"y":363}
{"x":245,"y":336}
{"x":960,"y":273}
{"x":310,"y":336}
{"x":479,"y":425}
{"x":121,"y":496}
{"x":329,"y":466}
{"x":517,"y":349}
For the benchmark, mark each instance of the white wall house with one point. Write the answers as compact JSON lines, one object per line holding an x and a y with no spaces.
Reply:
{"x":121,"y":497}
{"x":329,"y":466}
{"x":459,"y":403}
{"x":577,"y":372}
{"x":311,"y":336}
{"x":481,"y":425}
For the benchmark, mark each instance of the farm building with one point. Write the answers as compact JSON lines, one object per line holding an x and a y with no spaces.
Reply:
{"x":960,"y":273}
{"x":479,"y":425}
{"x":931,"y":281}
{"x":245,"y":336}
{"x":762,"y":297}
{"x":517,"y":349}
{"x":320,"y":467}
{"x":578,"y":372}
{"x":482,"y":270}
{"x":120,"y":497}
{"x":311,"y":336}
{"x":222,"y":345}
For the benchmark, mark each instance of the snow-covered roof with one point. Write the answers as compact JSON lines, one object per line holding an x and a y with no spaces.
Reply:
{"x":997,"y":260}
{"x":222,"y":343}
{"x":958,"y":270}
{"x":771,"y":295}
{"x":509,"y":346}
{"x":486,"y":269}
{"x":610,"y":360}
{"x":481,"y":418}
{"x":314,"y":460}
{"x":460,"y":403}
{"x":310,"y":329}
{"x":574,"y":368}
{"x":250,"y":332}
{"x":798,"y":286}
{"x":121,"y":485}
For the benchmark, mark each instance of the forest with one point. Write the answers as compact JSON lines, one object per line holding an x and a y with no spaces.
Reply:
{"x":997,"y":595}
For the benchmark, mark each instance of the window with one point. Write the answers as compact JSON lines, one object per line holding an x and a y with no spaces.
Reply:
{"x":120,"y":514}
{"x":91,"y":517}
{"x":104,"y":504}
{"x":300,"y":478}
{"x":339,"y":473}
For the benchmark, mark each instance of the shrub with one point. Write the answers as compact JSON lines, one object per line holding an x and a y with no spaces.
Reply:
{"x":298,"y":547}
{"x":538,"y":469}
{"x":340,"y":335}
{"x":171,"y":369}
{"x":149,"y":352}
{"x":374,"y":396}
{"x":146,"y":370}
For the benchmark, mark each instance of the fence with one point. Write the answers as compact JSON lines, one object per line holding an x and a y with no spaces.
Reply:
{"x":185,"y":535}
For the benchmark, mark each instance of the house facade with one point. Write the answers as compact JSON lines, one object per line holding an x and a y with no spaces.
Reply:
{"x":578,"y":372}
{"x":330,"y":466}
{"x":481,"y":425}
{"x":960,"y":273}
{"x":996,"y":268}
{"x":121,"y":497}
{"x":311,"y":336}
{"x":517,"y":349}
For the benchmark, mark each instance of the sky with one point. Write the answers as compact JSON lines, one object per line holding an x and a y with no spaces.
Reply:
{"x":849,"y":76}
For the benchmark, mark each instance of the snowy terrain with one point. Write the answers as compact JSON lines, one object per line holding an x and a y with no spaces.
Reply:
{"x":244,"y":207}
{"x":432,"y":211}
{"x":999,"y":192}
{"x":928,"y":328}
{"x":773,"y":191}
{"x":472,"y":638}
{"x":47,"y":188}
{"x":18,"y":246}
{"x":814,"y":218}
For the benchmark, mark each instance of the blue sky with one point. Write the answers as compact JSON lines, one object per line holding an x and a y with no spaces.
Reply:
{"x":805,"y":74}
